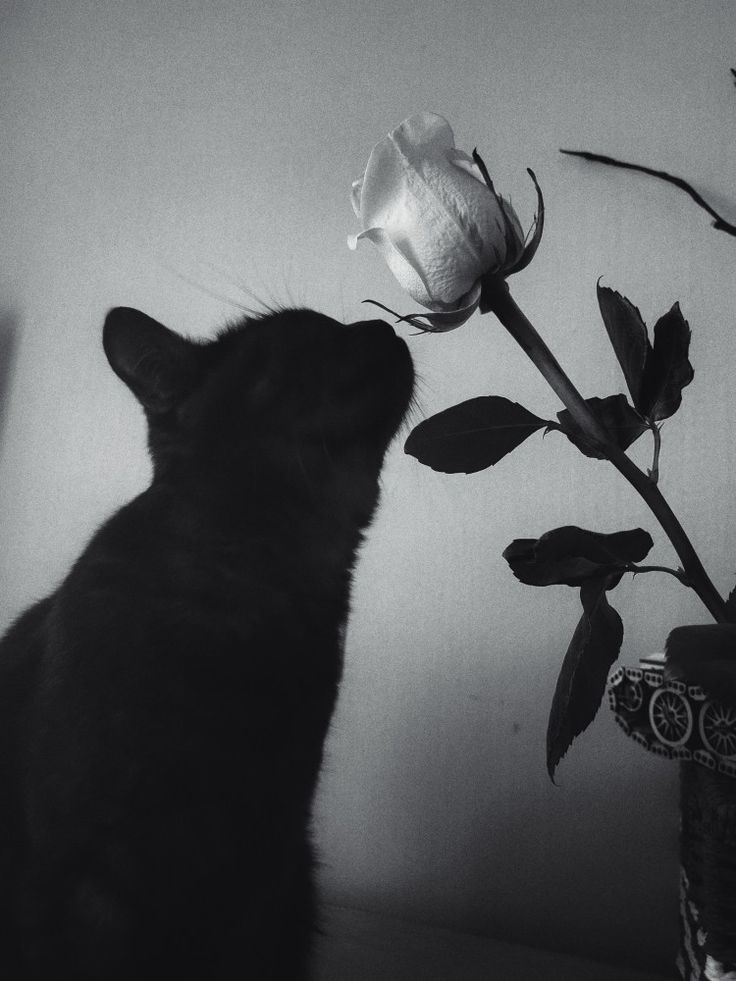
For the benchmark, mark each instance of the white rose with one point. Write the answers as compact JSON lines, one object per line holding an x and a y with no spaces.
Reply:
{"x":438,"y":224}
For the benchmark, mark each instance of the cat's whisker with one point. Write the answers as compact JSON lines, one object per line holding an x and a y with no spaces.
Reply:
{"x":414,"y":415}
{"x":270,"y":306}
{"x":201,"y":288}
{"x":231,"y":279}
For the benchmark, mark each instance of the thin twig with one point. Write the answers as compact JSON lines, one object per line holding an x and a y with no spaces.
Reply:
{"x":719,"y":221}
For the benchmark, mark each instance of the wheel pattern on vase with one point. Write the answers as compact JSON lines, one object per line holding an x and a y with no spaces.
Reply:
{"x":671,"y":718}
{"x":632,"y":696}
{"x":717,"y":725}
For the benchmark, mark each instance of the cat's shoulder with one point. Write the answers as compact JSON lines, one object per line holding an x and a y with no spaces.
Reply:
{"x":21,"y":650}
{"x":29,"y":629}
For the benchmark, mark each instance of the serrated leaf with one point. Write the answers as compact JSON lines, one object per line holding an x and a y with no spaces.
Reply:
{"x":628,"y":335}
{"x":473,"y":435}
{"x":668,"y":369}
{"x":582,"y":680}
{"x":570,"y":555}
{"x":623,"y":424}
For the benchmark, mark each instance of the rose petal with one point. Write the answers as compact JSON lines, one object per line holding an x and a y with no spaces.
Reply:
{"x":444,"y":320}
{"x":355,"y":195}
{"x":444,"y":221}
{"x":463,"y":160}
{"x":406,"y":274}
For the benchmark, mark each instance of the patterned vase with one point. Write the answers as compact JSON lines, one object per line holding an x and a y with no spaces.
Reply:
{"x":708,"y":879}
{"x":679,"y":721}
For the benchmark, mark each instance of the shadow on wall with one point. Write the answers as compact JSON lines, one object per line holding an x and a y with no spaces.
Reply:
{"x":517,"y":869}
{"x":8,"y":350}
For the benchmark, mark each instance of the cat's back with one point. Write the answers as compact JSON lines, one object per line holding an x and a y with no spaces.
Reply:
{"x":21,"y":652}
{"x":191,"y":652}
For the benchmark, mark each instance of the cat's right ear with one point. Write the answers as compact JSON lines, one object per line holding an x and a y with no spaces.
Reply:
{"x":158,"y":366}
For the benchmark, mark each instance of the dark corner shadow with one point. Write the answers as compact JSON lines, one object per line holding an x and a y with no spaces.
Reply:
{"x":8,"y":351}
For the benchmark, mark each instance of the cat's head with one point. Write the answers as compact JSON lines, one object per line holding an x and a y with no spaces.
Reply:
{"x":294,"y":385}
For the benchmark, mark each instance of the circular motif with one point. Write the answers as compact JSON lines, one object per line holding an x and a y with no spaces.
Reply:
{"x":630,"y":696}
{"x":670,"y":717}
{"x":717,"y":724}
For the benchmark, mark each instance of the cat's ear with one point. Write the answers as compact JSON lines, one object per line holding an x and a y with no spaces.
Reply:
{"x":158,"y":366}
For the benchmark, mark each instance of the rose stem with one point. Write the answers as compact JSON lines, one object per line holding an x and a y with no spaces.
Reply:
{"x":498,"y":300}
{"x":654,"y":472}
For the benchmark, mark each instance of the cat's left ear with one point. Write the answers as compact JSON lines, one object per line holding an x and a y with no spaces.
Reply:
{"x":158,"y":366}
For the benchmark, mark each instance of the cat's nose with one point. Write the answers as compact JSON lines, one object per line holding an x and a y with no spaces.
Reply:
{"x":373,"y":327}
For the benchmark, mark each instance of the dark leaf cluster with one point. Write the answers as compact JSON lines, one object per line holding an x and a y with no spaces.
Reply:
{"x":477,"y":433}
{"x":595,"y":562}
{"x":655,"y":373}
{"x":570,"y":556}
{"x":581,"y":683}
{"x":622,"y":424}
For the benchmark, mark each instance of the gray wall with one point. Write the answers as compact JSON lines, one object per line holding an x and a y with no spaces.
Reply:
{"x":174,"y":156}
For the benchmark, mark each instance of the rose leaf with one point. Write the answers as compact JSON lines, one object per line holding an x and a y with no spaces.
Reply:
{"x":628,"y":335}
{"x":668,"y":368}
{"x":570,"y":555}
{"x":533,"y":570}
{"x":623,"y":424}
{"x":473,"y":435}
{"x":582,"y":680}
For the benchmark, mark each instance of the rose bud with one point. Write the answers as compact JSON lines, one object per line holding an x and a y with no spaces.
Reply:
{"x":436,"y":218}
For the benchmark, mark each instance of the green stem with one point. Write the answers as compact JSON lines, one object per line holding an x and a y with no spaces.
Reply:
{"x":498,"y":300}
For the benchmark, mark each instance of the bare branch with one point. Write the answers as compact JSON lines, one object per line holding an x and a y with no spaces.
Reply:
{"x":719,"y":221}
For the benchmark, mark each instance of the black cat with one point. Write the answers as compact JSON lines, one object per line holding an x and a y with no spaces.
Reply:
{"x":163,"y":713}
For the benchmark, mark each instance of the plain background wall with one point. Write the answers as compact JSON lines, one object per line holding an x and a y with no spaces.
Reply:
{"x":173,"y":156}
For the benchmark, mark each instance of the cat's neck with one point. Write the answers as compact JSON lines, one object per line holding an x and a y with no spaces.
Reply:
{"x":317,"y":521}
{"x":301,"y":488}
